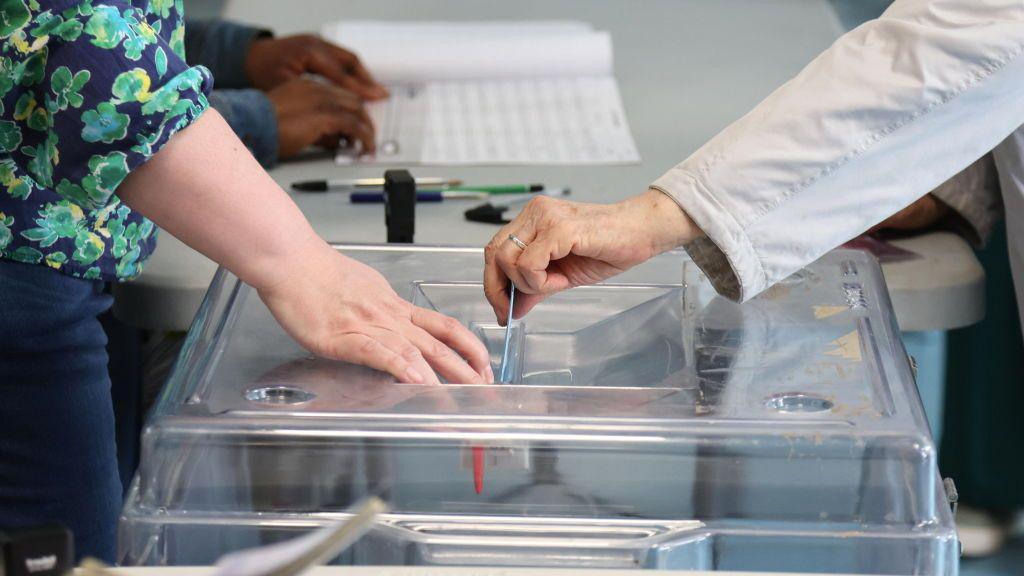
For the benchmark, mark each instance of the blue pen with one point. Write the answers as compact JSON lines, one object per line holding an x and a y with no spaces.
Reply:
{"x":432,"y":196}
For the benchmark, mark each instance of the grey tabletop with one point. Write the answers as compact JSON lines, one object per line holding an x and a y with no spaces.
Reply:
{"x":686,"y":69}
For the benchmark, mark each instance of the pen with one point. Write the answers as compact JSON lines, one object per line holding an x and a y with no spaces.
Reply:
{"x":501,"y":189}
{"x":497,"y":190}
{"x":325,"y":185}
{"x":430,"y":196}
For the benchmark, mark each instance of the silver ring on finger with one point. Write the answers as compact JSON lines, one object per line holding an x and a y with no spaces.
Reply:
{"x":515,"y":240}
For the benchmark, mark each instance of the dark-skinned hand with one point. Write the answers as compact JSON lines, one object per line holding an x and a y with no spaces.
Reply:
{"x":310,"y":112}
{"x":275,"y":61}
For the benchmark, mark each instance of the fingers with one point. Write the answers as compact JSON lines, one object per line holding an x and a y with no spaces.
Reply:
{"x":350,"y":126}
{"x":507,"y":252}
{"x":534,"y":262}
{"x":499,"y":267}
{"x":441,"y":358}
{"x":402,"y":345}
{"x":495,"y":284}
{"x":359,"y":348}
{"x":321,"y":62}
{"x":526,"y":302}
{"x":355,"y":68}
{"x":412,"y":349}
{"x":334,"y":99}
{"x":345,"y":70}
{"x":310,"y":112}
{"x":457,"y":337}
{"x":342,"y":113}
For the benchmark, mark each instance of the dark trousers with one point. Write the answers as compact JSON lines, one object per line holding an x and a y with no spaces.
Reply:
{"x":981,"y":448}
{"x":57,"y":453}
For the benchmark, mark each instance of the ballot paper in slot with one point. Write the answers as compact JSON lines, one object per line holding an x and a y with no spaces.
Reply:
{"x":649,"y":423}
{"x":491,"y":93}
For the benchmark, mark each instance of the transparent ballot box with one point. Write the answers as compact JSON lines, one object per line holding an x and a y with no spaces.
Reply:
{"x":649,"y":424}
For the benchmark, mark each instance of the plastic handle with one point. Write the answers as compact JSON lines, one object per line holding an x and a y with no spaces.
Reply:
{"x":546,"y":543}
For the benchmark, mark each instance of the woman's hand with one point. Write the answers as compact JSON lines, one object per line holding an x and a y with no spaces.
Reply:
{"x":571,"y":244}
{"x":342,"y":309}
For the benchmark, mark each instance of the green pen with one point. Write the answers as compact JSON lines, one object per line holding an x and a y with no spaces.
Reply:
{"x":498,"y":189}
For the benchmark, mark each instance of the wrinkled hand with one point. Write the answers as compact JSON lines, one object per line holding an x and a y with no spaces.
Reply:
{"x":924,"y":212}
{"x":310,"y":112}
{"x":274,"y":61}
{"x":572,"y":244}
{"x":342,"y":309}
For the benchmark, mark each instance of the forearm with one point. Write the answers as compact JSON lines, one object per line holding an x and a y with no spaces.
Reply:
{"x":889,"y":112}
{"x":205,"y":188}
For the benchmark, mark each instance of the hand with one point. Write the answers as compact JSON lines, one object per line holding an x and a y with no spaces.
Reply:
{"x":310,"y":112}
{"x":571,"y":244}
{"x":924,"y":212}
{"x":274,"y":61}
{"x":342,"y":309}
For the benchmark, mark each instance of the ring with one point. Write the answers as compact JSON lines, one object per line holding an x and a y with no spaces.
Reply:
{"x":515,"y":240}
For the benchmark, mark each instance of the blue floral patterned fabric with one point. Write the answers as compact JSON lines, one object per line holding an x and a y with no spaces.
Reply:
{"x":90,"y":90}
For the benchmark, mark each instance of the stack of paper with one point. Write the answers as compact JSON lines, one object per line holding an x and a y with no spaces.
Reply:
{"x":492,"y":92}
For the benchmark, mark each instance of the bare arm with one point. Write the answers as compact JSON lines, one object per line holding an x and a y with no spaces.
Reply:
{"x":206,"y":189}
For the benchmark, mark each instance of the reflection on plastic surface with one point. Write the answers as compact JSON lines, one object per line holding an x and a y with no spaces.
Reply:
{"x":648,"y":423}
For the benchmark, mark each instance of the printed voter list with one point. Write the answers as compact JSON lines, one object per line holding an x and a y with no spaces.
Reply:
{"x":478,"y":93}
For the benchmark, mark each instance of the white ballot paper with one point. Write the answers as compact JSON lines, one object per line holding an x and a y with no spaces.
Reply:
{"x":491,"y":93}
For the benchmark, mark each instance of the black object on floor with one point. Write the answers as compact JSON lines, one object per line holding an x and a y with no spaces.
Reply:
{"x":46,"y":550}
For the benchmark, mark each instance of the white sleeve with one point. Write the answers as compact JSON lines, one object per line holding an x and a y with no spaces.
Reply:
{"x":887,"y":113}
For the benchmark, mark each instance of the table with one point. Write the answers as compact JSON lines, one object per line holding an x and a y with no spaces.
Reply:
{"x":686,"y":68}
{"x":429,"y":571}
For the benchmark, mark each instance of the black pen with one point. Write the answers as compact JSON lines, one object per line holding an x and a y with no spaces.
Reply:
{"x":358,"y":183}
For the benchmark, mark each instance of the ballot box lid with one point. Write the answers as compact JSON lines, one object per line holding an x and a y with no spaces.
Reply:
{"x":647,"y":414}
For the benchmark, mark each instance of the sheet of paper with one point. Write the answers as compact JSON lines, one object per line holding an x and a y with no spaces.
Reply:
{"x":266,"y":559}
{"x":485,"y":93}
{"x":416,"y":52}
{"x":577,"y":120}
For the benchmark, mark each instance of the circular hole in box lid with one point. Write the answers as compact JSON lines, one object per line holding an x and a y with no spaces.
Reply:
{"x":797,"y":402}
{"x":278,"y":394}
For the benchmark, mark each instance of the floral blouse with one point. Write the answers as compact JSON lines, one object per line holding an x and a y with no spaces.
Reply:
{"x":91,"y":89}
